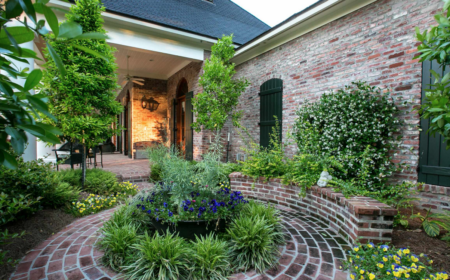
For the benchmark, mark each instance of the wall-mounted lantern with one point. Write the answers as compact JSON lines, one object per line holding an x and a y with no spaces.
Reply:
{"x":151,"y":104}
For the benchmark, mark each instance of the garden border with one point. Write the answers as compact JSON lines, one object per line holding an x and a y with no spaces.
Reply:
{"x":356,"y":218}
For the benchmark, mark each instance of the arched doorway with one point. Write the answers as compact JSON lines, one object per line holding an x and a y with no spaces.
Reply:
{"x":182,"y":119}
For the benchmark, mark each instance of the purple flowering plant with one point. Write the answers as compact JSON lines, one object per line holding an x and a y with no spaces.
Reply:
{"x":204,"y":203}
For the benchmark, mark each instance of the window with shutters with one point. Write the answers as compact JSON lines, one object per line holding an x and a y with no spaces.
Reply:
{"x":271,"y":110}
{"x":434,"y":158}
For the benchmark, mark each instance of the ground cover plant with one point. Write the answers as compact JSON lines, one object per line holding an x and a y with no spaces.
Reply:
{"x":387,"y":262}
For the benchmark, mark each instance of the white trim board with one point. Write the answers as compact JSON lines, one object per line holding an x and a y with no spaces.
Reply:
{"x":312,"y":19}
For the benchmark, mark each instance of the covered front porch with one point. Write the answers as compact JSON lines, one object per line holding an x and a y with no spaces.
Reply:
{"x":156,"y":95}
{"x":158,"y":72}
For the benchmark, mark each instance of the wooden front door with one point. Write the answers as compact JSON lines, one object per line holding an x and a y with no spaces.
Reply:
{"x":434,"y":160}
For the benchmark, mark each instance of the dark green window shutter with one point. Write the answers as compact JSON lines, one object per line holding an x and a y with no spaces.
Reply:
{"x":271,"y":96}
{"x":130,"y":147}
{"x":189,"y":133}
{"x":173,"y":123}
{"x":434,"y":160}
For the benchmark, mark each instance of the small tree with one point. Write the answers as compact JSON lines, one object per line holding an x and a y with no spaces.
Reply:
{"x":20,"y":111}
{"x":220,"y":96}
{"x":84,"y":101}
{"x":435,"y":46}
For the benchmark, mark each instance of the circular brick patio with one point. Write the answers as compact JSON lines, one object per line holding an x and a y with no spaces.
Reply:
{"x":311,"y":252}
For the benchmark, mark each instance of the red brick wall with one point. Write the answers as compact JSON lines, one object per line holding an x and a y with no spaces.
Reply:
{"x":374,"y":44}
{"x":351,"y":218}
{"x":145,"y":124}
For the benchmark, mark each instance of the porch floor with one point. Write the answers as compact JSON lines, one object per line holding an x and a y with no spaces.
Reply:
{"x":127,"y":169}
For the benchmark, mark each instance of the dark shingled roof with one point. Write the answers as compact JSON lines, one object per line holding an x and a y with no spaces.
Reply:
{"x":223,"y":17}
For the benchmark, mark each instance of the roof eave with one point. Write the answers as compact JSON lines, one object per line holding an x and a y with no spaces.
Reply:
{"x":313,"y":17}
{"x":143,"y":23}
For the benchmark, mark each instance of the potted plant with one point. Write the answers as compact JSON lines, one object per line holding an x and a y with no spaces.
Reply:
{"x":206,"y":210}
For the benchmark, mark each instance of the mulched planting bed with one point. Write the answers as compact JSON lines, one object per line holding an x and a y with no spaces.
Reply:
{"x":38,"y":228}
{"x":419,"y":242}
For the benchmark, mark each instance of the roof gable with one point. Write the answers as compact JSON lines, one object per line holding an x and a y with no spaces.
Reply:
{"x":223,"y":17}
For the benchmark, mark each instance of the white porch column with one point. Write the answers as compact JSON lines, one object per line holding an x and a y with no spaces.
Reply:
{"x":30,"y":152}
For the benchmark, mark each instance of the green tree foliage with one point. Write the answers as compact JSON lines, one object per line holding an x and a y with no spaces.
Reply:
{"x":83,"y":101}
{"x":21,"y":111}
{"x":436,"y":46}
{"x":218,"y":101}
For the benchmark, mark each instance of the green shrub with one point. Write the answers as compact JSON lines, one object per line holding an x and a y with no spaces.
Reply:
{"x":270,"y":214}
{"x":304,"y":170}
{"x":98,"y":181}
{"x":267,"y":162}
{"x":229,"y":167}
{"x":348,"y":123}
{"x":116,"y":243}
{"x":388,"y":263}
{"x":209,"y":171}
{"x":252,"y":243}
{"x":212,"y":258}
{"x":31,"y":178}
{"x":158,"y":153}
{"x":162,"y":257}
{"x":11,"y":206}
{"x":61,"y":194}
{"x":155,"y":173}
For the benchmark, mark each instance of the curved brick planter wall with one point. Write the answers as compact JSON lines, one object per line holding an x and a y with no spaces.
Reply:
{"x":353,"y":218}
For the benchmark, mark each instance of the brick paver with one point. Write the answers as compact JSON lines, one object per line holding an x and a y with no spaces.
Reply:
{"x":311,"y":252}
{"x":126,"y":169}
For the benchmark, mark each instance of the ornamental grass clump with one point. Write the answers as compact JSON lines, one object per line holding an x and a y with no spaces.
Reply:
{"x":212,"y":258}
{"x":252,"y":243}
{"x":356,"y":125}
{"x":162,"y":257}
{"x":126,"y":214}
{"x":272,"y":216}
{"x":116,"y":243}
{"x":385,"y":262}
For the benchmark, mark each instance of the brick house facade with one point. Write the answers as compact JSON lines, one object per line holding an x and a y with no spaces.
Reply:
{"x":375,"y":44}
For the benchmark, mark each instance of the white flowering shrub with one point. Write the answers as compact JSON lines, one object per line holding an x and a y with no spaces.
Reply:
{"x":357,"y":126}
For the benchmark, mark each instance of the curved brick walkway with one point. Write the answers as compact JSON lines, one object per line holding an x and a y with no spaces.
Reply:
{"x":310,"y":253}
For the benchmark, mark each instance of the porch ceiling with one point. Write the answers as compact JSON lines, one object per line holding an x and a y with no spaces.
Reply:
{"x":148,"y":64}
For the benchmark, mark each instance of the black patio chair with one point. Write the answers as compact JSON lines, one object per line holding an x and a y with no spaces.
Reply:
{"x":73,"y":158}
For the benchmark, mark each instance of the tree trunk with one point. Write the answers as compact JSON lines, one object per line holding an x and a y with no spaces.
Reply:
{"x":71,"y":152}
{"x":83,"y":166}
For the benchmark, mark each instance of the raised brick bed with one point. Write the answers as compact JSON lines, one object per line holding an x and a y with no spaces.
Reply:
{"x":435,"y":197}
{"x":354,"y":218}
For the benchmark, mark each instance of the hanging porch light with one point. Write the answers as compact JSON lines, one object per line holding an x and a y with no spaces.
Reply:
{"x":151,"y":104}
